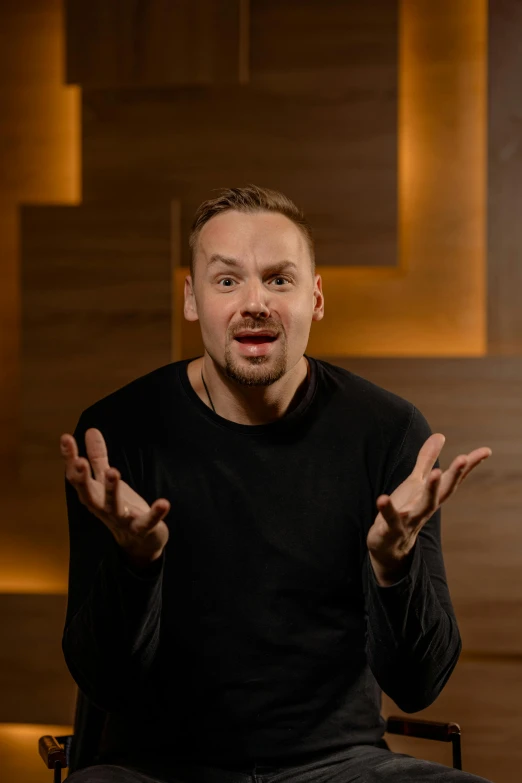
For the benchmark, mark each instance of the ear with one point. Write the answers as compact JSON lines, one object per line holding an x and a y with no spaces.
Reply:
{"x":190,"y":308}
{"x":318,"y":312}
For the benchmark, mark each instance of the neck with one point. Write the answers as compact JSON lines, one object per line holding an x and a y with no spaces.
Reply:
{"x":249,"y":404}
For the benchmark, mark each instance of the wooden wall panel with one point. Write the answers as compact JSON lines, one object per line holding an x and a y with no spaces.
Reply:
{"x":349,"y":45}
{"x":320,"y":124}
{"x":353,"y":214}
{"x":442,"y":189}
{"x":96,"y":312}
{"x":35,"y":684}
{"x":330,"y":144}
{"x":38,"y":161}
{"x":505,"y":176}
{"x":127,"y":43}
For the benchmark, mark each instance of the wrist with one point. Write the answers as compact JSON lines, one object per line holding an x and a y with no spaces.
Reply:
{"x":392,"y":569}
{"x":140,"y":562}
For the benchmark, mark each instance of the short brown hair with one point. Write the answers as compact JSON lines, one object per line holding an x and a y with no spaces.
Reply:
{"x":251,"y":198}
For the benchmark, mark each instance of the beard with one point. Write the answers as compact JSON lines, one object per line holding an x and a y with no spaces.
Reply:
{"x":256,"y":370}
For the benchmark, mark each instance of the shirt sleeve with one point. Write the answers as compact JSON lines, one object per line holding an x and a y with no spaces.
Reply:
{"x":112,"y":626}
{"x":413,"y":641}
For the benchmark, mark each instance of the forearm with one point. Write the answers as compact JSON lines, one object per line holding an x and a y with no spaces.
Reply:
{"x":110,"y":644}
{"x":413,"y":641}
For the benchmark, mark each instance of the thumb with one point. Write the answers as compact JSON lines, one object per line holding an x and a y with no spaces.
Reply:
{"x":428,"y":455}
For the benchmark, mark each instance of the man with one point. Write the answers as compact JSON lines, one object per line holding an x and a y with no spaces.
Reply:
{"x":258,"y":553}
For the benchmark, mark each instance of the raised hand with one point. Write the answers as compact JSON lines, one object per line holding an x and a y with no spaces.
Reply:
{"x":137,"y":527}
{"x":403,"y":514}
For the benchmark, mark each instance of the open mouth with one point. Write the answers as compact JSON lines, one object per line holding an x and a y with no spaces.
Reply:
{"x":251,"y":339}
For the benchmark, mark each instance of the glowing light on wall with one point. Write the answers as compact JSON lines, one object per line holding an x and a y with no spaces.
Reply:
{"x":40,"y":152}
{"x":434,"y":302}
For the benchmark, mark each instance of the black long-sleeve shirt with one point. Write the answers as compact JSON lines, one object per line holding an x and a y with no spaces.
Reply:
{"x":261,"y":634}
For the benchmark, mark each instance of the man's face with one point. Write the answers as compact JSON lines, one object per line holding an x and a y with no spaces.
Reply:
{"x":253,"y":272}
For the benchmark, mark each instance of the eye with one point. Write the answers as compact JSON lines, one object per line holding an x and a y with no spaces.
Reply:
{"x":279,"y":277}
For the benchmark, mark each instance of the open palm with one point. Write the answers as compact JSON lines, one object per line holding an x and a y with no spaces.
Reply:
{"x":403,"y":513}
{"x":136,"y":526}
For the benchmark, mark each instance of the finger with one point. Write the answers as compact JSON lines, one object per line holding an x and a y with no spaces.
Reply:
{"x":74,"y":465}
{"x":474,"y":458}
{"x":77,"y":468}
{"x":433,"y":490}
{"x":68,"y":449}
{"x":143,"y":525}
{"x":79,"y":475}
{"x":388,"y":511}
{"x":112,"y":504}
{"x":430,"y":498}
{"x":97,"y":452}
{"x":452,"y":477}
{"x":428,"y":455}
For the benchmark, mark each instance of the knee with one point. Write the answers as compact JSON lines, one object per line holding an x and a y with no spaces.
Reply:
{"x":102,"y":773}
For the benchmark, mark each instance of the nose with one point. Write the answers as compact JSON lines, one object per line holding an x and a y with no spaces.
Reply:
{"x":255,"y":301}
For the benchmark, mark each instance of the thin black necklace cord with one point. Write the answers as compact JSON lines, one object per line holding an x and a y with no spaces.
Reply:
{"x":210,"y":398}
{"x":208,"y":395}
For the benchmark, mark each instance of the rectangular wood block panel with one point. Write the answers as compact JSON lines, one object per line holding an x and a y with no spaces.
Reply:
{"x":504,"y":177}
{"x":35,"y":685}
{"x":318,"y":124}
{"x":126,"y":43}
{"x":96,"y":309}
{"x":96,"y":313}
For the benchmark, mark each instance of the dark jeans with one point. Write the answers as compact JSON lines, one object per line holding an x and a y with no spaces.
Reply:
{"x":360,"y":764}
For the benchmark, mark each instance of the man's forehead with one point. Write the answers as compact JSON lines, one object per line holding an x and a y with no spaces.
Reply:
{"x":234,"y":233}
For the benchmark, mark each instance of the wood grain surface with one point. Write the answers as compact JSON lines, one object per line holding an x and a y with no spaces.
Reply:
{"x":304,"y":101}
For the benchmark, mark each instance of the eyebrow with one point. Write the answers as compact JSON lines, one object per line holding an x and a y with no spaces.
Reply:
{"x":278,"y":266}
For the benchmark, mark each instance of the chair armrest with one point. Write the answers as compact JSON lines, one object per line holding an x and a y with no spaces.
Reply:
{"x":52,"y":751}
{"x":425,"y":729}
